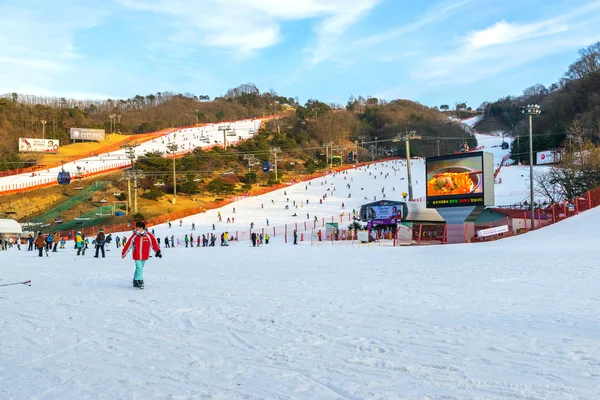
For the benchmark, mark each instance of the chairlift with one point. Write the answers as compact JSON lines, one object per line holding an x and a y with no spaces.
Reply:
{"x":266,"y":166}
{"x":505,"y":146}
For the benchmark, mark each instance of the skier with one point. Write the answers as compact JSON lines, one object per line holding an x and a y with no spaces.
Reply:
{"x":79,"y":245}
{"x":49,"y":240}
{"x":186,"y":240}
{"x":167,"y":241}
{"x":180,"y":222}
{"x":266,"y":238}
{"x":108,"y":241}
{"x":100,"y":240}
{"x":55,"y":241}
{"x":40,"y":242}
{"x":118,"y":242}
{"x":193,"y":226}
{"x":295,"y":237}
{"x":30,"y":241}
{"x":141,"y":241}
{"x":63,"y":242}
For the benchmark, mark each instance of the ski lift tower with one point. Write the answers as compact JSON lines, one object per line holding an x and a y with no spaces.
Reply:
{"x":407,"y":137}
{"x":224,"y":129}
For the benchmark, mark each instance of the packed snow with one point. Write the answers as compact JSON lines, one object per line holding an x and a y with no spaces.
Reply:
{"x":515,"y":318}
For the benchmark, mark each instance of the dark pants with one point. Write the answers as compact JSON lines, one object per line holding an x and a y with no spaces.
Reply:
{"x":81,"y":250}
{"x":41,"y":249}
{"x":98,"y":248}
{"x":30,"y":247}
{"x":55,"y":246}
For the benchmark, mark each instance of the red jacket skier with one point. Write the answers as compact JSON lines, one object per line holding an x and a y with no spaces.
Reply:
{"x":140,"y":243}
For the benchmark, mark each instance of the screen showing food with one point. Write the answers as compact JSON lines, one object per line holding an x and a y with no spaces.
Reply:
{"x":455,"y":180}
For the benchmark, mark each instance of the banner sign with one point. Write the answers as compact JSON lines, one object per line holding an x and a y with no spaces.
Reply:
{"x":38,"y":145}
{"x":492,"y":231}
{"x":384,"y":214}
{"x":548,"y":157}
{"x":87,"y":134}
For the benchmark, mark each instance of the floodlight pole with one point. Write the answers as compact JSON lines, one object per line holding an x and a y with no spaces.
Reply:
{"x":531,"y":110}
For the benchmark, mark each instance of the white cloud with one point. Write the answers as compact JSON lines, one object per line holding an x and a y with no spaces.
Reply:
{"x":436,"y":14}
{"x":246,"y":26}
{"x":37,"y":46}
{"x":506,"y":45}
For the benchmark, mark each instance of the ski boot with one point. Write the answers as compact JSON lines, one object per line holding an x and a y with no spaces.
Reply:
{"x":135,"y":283}
{"x":141,"y":284}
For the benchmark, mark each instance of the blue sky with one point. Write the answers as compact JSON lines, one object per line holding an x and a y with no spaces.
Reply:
{"x":434,"y":52}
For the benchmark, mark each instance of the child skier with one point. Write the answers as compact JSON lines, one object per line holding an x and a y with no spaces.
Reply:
{"x":141,"y":241}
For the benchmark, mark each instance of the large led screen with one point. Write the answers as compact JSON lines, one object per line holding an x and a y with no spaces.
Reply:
{"x":460,"y":180}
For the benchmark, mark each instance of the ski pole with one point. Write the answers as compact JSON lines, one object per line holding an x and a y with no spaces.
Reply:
{"x":27,"y":283}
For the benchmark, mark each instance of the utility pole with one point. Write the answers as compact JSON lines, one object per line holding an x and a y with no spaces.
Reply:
{"x":224,"y":129}
{"x":173,"y":147}
{"x":407,"y":137}
{"x":44,"y":122}
{"x":274,"y":151}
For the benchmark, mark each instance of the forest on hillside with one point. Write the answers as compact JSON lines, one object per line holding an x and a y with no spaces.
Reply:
{"x":575,"y":97}
{"x":372,"y":122}
{"x":569,"y":122}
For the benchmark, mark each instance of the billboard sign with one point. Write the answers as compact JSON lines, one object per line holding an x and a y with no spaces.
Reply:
{"x":384,"y":214}
{"x":548,"y":157}
{"x":460,"y":180}
{"x":87,"y":134}
{"x":38,"y":145}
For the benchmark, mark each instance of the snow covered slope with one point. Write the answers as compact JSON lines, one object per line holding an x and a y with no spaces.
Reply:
{"x":186,"y":138}
{"x":510,"y":319}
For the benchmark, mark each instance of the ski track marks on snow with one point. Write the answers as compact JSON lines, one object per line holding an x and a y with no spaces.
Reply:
{"x":515,"y":319}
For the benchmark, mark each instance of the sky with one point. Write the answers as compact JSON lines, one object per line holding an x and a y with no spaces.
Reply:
{"x":434,"y":52}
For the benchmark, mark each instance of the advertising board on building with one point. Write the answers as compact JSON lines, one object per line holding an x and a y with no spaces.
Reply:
{"x":460,"y":180}
{"x":548,"y":157}
{"x":384,"y":213}
{"x":38,"y":145}
{"x":87,"y":134}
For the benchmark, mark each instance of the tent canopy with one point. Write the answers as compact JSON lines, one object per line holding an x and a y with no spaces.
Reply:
{"x":10,"y":226}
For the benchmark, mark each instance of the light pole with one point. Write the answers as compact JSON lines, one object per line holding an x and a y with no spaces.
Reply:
{"x":196,"y":117}
{"x":531,"y":110}
{"x":438,"y":143}
{"x":44,"y":122}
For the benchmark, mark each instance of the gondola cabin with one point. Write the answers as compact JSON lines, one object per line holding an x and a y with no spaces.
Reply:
{"x":64,"y":177}
{"x":266,"y":166}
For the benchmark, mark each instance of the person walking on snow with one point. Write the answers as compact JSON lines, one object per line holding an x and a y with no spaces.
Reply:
{"x":100,"y":240}
{"x":141,"y":241}
{"x":40,"y":242}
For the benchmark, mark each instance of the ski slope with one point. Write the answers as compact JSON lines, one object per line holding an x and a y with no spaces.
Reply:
{"x":186,"y":138}
{"x":510,"y":319}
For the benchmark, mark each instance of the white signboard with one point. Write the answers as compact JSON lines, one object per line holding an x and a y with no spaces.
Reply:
{"x":38,"y":145}
{"x":492,"y":231}
{"x":548,"y":157}
{"x":87,"y":134}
